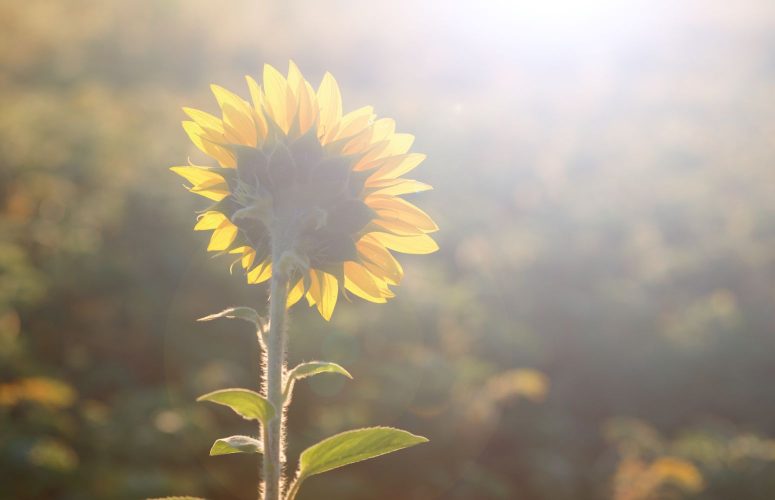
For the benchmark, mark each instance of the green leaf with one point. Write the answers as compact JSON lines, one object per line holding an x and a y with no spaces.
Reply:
{"x":243,"y":313}
{"x":246,"y":403}
{"x":236,"y":444}
{"x":353,"y":446}
{"x":309,"y":369}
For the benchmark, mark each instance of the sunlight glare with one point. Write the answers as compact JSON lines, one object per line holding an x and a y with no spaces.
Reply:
{"x":569,"y":23}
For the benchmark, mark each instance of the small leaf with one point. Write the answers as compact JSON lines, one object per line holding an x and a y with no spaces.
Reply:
{"x":353,"y":446}
{"x":243,"y":313}
{"x":236,"y":444}
{"x":309,"y":369}
{"x":246,"y":403}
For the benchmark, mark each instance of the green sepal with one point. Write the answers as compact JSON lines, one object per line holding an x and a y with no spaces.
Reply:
{"x":334,"y":247}
{"x":349,"y":216}
{"x":356,"y":183}
{"x":251,"y":164}
{"x":307,"y":153}
{"x":333,"y":169}
{"x":274,"y":134}
{"x":248,"y":404}
{"x":236,"y":444}
{"x":281,"y":168}
{"x":226,"y":206}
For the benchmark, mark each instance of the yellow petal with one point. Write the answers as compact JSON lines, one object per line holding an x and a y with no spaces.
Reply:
{"x":313,"y":294}
{"x":255,"y":93}
{"x":396,"y":144}
{"x":296,"y":293}
{"x":398,"y":227}
{"x":420,"y":244}
{"x":295,"y":78}
{"x":384,"y":128}
{"x":393,"y":208}
{"x":374,"y":255}
{"x":399,"y":144}
{"x":240,"y":125}
{"x":365,"y":285}
{"x":276,"y":96}
{"x":260,"y":273}
{"x":329,"y":292}
{"x":205,"y":183}
{"x":305,"y":96}
{"x":197,"y":175}
{"x":314,"y":111}
{"x":237,"y":116}
{"x":394,"y":166}
{"x":225,"y":96}
{"x":209,"y":220}
{"x":211,"y":194}
{"x":354,"y":122}
{"x":330,"y":104}
{"x":359,"y":143}
{"x":258,"y":109}
{"x":395,"y":187}
{"x":248,"y":256}
{"x":196,"y":133}
{"x":211,"y":184}
{"x":205,"y":120}
{"x":223,"y":236}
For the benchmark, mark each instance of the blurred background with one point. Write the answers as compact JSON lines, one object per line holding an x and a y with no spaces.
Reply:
{"x":598,"y":324}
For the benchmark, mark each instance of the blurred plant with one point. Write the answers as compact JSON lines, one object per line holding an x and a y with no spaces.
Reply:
{"x":482,"y":402}
{"x":710,"y":460}
{"x":638,"y":480}
{"x":647,"y":469}
{"x":42,"y":390}
{"x":308,"y":198}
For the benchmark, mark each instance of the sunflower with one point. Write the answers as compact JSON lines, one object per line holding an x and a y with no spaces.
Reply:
{"x":313,"y":189}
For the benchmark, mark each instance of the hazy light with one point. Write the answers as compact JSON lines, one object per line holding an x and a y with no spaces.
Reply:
{"x":568,"y":23}
{"x":557,"y":12}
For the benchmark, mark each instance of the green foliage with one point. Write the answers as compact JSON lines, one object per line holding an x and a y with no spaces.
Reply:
{"x":245,"y":403}
{"x":607,"y":220}
{"x":236,"y":444}
{"x":309,"y":369}
{"x":351,"y":447}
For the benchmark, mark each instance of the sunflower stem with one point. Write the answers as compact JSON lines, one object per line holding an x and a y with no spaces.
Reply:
{"x":273,"y":432}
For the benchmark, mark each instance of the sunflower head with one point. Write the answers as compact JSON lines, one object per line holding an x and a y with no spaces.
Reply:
{"x":307,"y":190}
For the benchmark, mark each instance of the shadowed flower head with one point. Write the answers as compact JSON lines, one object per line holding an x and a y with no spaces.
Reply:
{"x":307,"y":189}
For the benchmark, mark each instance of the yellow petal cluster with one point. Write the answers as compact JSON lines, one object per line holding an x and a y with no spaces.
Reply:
{"x":281,"y":116}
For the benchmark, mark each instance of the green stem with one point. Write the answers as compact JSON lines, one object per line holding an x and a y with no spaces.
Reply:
{"x":275,"y":368}
{"x":294,"y":489}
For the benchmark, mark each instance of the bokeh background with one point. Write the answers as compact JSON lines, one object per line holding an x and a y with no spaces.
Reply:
{"x":598,"y":324}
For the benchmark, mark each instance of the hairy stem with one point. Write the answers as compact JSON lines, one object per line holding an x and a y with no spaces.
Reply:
{"x":275,"y":373}
{"x":294,"y":489}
